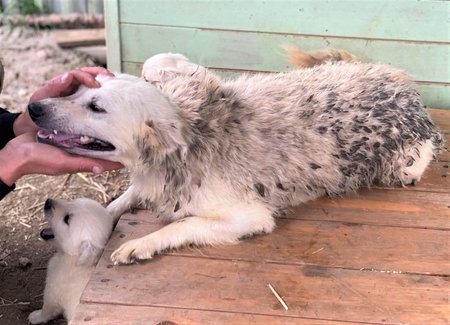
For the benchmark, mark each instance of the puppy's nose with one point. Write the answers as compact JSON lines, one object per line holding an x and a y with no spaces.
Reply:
{"x":36,"y":111}
{"x":48,"y":204}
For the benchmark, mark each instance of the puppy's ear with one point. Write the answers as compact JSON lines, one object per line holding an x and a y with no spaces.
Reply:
{"x":89,"y":254}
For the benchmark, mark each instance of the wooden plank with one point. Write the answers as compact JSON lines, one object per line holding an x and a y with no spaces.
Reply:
{"x":113,"y":37}
{"x":241,"y":287}
{"x":442,"y":119}
{"x":380,"y":207}
{"x":105,"y":314}
{"x":329,"y":244}
{"x":404,"y":19}
{"x":79,"y":37}
{"x":263,"y":52}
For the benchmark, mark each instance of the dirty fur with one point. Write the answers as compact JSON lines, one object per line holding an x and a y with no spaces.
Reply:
{"x":218,"y":159}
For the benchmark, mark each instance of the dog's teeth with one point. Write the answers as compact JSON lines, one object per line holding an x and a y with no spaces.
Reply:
{"x":85,"y":139}
{"x":55,"y":132}
{"x":50,"y":136}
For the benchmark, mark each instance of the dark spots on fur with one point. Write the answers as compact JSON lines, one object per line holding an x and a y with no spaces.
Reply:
{"x":150,"y":124}
{"x":322,"y":129}
{"x":390,"y":144}
{"x":177,"y":207}
{"x":376,"y":145}
{"x":202,"y":126}
{"x":367,"y":129}
{"x":281,"y":187}
{"x":410,"y":162}
{"x":309,"y":188}
{"x":314,"y":166}
{"x":261,"y":189}
{"x":236,"y":121}
{"x":310,"y":98}
{"x":445,"y":166}
{"x":343,"y":154}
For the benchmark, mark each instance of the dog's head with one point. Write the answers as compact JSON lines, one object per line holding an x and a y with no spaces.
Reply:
{"x":122,"y":120}
{"x":80,"y":228}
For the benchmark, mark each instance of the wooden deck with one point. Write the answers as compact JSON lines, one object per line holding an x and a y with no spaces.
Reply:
{"x":377,"y":257}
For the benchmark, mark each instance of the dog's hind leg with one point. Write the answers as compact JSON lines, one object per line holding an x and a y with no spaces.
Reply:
{"x":197,"y":230}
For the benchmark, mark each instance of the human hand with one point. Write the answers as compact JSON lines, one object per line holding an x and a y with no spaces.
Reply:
{"x":61,"y":86}
{"x":23,"y":156}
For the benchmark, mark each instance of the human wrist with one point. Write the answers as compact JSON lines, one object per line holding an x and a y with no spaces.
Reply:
{"x":23,"y":124}
{"x":12,"y":165}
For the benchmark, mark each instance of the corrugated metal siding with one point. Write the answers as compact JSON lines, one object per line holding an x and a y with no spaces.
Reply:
{"x":248,"y":35}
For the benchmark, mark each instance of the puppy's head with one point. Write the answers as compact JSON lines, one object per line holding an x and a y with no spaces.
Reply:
{"x":123,"y":120}
{"x":80,"y":228}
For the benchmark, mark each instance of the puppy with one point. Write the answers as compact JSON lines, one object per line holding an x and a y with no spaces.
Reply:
{"x":81,"y":229}
{"x":218,"y":160}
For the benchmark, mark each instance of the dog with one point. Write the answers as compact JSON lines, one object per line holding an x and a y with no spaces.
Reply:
{"x":219,"y":160}
{"x":81,"y":229}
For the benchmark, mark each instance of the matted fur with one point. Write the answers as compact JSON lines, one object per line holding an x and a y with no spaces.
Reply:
{"x":219,"y":159}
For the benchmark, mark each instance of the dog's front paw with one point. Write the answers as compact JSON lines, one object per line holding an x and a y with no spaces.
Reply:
{"x":36,"y":317}
{"x":131,"y":251}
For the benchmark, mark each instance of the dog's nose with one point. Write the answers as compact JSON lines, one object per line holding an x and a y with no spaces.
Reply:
{"x":48,"y":204}
{"x":36,"y":110}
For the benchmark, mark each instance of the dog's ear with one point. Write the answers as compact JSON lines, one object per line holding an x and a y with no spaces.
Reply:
{"x":165,"y":136}
{"x":88,"y":253}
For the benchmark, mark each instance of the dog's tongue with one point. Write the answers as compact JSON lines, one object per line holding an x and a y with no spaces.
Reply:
{"x":47,"y":233}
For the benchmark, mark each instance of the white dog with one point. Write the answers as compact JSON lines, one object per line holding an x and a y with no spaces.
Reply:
{"x":81,"y":229}
{"x":220,"y":159}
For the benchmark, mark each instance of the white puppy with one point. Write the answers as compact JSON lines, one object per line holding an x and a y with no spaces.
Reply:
{"x":81,"y":229}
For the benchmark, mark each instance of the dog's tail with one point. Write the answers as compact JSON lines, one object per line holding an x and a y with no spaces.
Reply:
{"x":303,"y":59}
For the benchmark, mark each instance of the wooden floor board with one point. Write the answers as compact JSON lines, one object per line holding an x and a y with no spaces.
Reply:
{"x":329,"y":244}
{"x":107,"y":314}
{"x":241,"y":287}
{"x":403,"y":208}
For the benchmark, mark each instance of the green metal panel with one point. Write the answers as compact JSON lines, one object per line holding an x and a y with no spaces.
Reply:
{"x":263,"y":52}
{"x":248,"y":34}
{"x":388,"y":19}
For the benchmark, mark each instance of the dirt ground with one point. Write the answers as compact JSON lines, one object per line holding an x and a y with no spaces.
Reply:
{"x":30,"y":59}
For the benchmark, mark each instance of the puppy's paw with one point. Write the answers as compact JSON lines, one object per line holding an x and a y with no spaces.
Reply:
{"x":133,"y":250}
{"x":36,"y":317}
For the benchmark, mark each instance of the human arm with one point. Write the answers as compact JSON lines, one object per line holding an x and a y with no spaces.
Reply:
{"x":23,"y":156}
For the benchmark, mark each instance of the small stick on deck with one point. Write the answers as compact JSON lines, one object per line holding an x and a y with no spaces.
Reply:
{"x":278,"y":297}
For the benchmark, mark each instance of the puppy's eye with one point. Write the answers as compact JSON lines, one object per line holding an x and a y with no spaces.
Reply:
{"x":67,"y":219}
{"x":95,"y":108}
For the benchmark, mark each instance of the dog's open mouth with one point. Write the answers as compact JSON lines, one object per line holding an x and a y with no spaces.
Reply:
{"x":47,"y":234}
{"x":69,"y":141}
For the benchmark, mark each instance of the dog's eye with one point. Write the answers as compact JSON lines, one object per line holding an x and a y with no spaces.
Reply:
{"x":67,"y":219}
{"x":95,"y":108}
